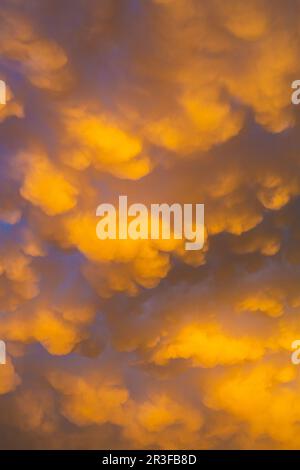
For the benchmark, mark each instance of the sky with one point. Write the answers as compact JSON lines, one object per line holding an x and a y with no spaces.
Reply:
{"x":123,"y":344}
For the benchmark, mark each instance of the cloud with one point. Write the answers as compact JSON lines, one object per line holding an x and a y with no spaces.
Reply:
{"x":141,"y":344}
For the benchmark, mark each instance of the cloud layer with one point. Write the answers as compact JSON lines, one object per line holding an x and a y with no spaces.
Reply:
{"x":141,"y":344}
